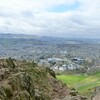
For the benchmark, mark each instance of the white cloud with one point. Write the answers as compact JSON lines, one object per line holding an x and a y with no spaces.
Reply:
{"x":34,"y":17}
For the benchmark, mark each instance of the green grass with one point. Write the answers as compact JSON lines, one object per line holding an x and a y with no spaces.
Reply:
{"x":71,"y":80}
{"x":84,"y":84}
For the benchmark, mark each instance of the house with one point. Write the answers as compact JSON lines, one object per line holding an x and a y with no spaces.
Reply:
{"x":78,"y":60}
{"x":54,"y":60}
{"x":57,"y":68}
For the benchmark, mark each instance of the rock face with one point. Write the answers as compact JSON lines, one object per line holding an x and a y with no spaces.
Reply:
{"x":96,"y":95}
{"x":21,"y":80}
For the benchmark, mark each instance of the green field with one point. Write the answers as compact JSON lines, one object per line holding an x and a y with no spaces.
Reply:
{"x":84,"y":84}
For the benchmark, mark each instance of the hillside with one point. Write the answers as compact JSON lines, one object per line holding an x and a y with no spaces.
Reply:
{"x":21,"y":80}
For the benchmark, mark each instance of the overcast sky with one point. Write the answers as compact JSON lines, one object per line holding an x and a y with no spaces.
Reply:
{"x":66,"y":18}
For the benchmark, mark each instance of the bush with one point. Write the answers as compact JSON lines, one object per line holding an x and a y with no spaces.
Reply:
{"x":10,"y":63}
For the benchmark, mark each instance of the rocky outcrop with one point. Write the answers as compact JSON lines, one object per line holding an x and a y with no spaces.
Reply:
{"x":21,"y":80}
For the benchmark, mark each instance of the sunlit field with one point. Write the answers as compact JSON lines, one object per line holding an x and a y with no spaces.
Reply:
{"x":84,"y":84}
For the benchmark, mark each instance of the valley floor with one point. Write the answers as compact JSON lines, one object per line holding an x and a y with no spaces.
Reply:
{"x":84,"y":84}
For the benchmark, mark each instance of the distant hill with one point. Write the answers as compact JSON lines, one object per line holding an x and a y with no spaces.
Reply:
{"x":25,"y":36}
{"x":48,"y":38}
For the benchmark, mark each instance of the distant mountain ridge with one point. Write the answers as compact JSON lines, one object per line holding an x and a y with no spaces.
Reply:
{"x":50,"y":38}
{"x":8,"y":35}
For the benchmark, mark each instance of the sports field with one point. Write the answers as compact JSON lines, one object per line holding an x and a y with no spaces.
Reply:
{"x":84,"y":84}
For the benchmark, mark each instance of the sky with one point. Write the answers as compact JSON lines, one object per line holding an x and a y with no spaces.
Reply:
{"x":62,"y":18}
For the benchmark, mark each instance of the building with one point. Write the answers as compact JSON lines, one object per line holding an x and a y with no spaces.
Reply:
{"x":78,"y":60}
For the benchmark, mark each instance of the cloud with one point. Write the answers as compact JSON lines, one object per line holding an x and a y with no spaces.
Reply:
{"x":68,"y":18}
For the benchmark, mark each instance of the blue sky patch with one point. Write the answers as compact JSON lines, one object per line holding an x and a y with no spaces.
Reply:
{"x":64,"y":7}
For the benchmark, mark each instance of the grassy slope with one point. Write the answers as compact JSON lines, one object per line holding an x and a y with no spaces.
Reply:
{"x":84,"y":84}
